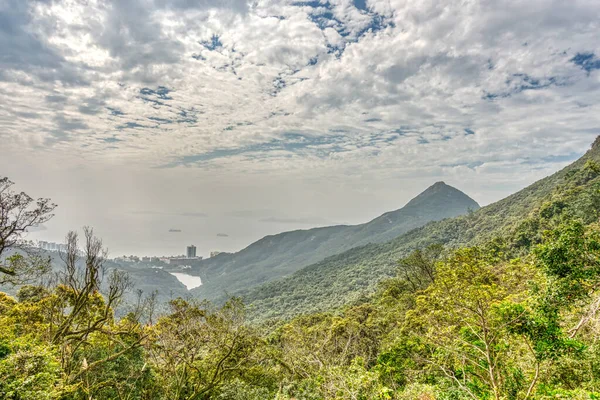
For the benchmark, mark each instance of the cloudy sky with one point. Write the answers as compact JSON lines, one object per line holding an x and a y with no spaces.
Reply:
{"x":230,"y":120}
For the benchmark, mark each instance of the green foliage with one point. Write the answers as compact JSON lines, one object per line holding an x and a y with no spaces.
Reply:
{"x":197,"y":349}
{"x":569,"y":258}
{"x":418,"y":269}
{"x":458,"y":318}
{"x":30,"y":372}
{"x":511,"y":316}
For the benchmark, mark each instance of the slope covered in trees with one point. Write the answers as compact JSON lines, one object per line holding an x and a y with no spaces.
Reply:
{"x":515,"y":317}
{"x":347,"y":277}
{"x":282,"y":254}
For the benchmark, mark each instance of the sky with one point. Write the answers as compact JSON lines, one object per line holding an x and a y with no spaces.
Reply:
{"x":231,"y":120}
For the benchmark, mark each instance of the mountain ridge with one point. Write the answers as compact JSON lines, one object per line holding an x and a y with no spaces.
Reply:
{"x":348,"y":276}
{"x":278,"y":255}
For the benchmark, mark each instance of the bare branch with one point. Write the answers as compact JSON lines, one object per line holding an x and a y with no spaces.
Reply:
{"x":18,"y":213}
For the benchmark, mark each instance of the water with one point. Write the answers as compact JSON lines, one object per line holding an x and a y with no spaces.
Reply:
{"x":189,"y":281}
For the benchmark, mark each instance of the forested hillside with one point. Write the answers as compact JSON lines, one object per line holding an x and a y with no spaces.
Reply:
{"x":345,"y":278}
{"x":513,"y":316}
{"x":282,"y":254}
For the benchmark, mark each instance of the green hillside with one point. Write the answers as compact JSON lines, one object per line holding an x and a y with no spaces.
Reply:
{"x":347,"y":277}
{"x":278,"y":255}
{"x":514,"y":317}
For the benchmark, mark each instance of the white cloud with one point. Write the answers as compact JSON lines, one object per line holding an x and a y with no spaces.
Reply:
{"x":322,"y":95}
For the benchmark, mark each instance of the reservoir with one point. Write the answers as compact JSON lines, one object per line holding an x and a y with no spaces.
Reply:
{"x":189,"y":281}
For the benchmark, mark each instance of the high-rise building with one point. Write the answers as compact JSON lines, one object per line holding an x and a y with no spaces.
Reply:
{"x":191,"y":251}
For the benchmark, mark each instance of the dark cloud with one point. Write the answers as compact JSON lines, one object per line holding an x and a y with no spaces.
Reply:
{"x":126,"y":28}
{"x":161,"y":92}
{"x":115,"y":111}
{"x":65,"y":127}
{"x":24,"y":50}
{"x":131,"y":35}
{"x":519,"y":82}
{"x":27,"y":115}
{"x":64,"y":123}
{"x":92,"y":106}
{"x":130,"y":125}
{"x":111,"y":140}
{"x":289,"y":142}
{"x":56,"y":98}
{"x":159,"y":120}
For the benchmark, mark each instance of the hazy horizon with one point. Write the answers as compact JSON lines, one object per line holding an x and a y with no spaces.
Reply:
{"x":151,"y":232}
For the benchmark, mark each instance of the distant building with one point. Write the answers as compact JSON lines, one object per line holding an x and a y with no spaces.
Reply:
{"x":214,"y":253}
{"x":127,"y":259}
{"x":51,"y":246}
{"x":191,"y":251}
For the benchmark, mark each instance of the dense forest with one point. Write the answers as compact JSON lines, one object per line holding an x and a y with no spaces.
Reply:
{"x":499,"y":304}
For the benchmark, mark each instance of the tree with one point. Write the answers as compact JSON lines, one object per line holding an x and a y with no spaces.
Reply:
{"x":71,"y":327}
{"x":18,"y":213}
{"x":559,"y":316}
{"x":418,"y":269}
{"x":98,"y":354}
{"x":460,"y":320}
{"x":80,"y":310}
{"x":197,"y":348}
{"x":31,"y":372}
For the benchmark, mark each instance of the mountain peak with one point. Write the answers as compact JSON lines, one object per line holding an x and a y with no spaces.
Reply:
{"x":444,"y":195}
{"x":440,"y":186}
